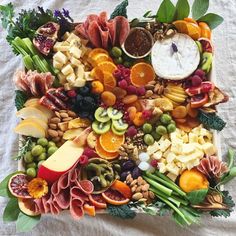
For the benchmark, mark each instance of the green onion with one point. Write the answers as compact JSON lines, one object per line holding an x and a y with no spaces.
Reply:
{"x":158,"y":186}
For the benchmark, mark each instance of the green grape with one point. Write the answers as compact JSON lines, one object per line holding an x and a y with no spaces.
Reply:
{"x":116,"y":52}
{"x":28,"y":158}
{"x":31,"y":165}
{"x":155,"y":135}
{"x":51,"y":150}
{"x":165,"y":119}
{"x":43,"y":142}
{"x":171,"y":128}
{"x":51,"y":144}
{"x":172,"y":122}
{"x":148,"y":139}
{"x":161,"y":130}
{"x":128,"y":64}
{"x":42,"y":156}
{"x":37,"y":150}
{"x":147,"y":128}
{"x":31,"y":172}
{"x":118,"y":60}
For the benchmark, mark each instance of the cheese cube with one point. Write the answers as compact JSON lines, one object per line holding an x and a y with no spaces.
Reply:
{"x":67,"y":69}
{"x":71,"y":37}
{"x":195,"y":155}
{"x":209,"y":149}
{"x":57,"y":64}
{"x":71,"y":78}
{"x":60,"y":57}
{"x":87,"y":76}
{"x":60,"y":47}
{"x":201,"y":140}
{"x":188,"y":148}
{"x":185,"y":138}
{"x":83,"y":50}
{"x":165,"y":154}
{"x":79,"y":71}
{"x":65,"y":43}
{"x":172,"y":168}
{"x":172,"y":176}
{"x":177,"y":148}
{"x":62,"y":78}
{"x":75,"y":52}
{"x":68,"y":55}
{"x":170,"y":157}
{"x":193,"y":138}
{"x":162,"y":167}
{"x":153,"y":148}
{"x":164,"y":145}
{"x":74,"y":61}
{"x":157,"y":155}
{"x":79,"y":82}
{"x":66,"y":36}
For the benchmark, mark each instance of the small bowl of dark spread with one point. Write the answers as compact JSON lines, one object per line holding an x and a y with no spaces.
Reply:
{"x":138,"y":43}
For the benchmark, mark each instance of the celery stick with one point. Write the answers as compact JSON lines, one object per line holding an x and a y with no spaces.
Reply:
{"x":28,"y":62}
{"x":21,"y":44}
{"x":30,"y":46}
{"x":39,"y":63}
{"x":168,"y":184}
{"x":19,"y":49}
{"x":159,"y":193}
{"x":158,"y":186}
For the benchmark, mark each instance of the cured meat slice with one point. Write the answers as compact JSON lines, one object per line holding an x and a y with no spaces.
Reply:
{"x":77,"y":193}
{"x":76,"y":208}
{"x":86,"y":186}
{"x":94,"y":34}
{"x":61,"y":94}
{"x":63,"y":198}
{"x":80,"y":29}
{"x":122,"y":29}
{"x":44,"y":101}
{"x":58,"y":103}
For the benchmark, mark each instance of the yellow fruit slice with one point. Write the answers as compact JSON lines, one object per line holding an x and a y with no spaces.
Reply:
{"x":164,"y":103}
{"x":175,"y":98}
{"x":29,"y":112}
{"x":176,"y":90}
{"x":31,"y":102}
{"x":175,"y":104}
{"x":30,"y":129}
{"x":78,"y":123}
{"x":72,"y":133}
{"x":35,"y":120}
{"x":179,"y":95}
{"x":48,"y":113}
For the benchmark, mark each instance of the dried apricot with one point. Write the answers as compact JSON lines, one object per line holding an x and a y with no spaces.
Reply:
{"x":119,"y":92}
{"x":183,"y":127}
{"x":191,"y":111}
{"x":192,"y":122}
{"x":132,"y":112}
{"x":137,"y":105}
{"x":108,"y":98}
{"x":179,"y":112}
{"x":97,"y":87}
{"x":190,"y":20}
{"x":139,"y":119}
{"x":205,"y":30}
{"x":180,"y":121}
{"x":130,"y":99}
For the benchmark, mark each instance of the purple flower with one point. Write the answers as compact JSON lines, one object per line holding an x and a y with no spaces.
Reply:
{"x":57,"y":13}
{"x":65,"y":13}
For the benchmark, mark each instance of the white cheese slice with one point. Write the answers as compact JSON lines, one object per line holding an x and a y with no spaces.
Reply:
{"x":209,"y":149}
{"x":172,"y":65}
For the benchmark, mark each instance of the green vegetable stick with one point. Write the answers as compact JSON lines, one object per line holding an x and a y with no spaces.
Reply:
{"x":21,"y":44}
{"x":230,"y":176}
{"x":28,"y":62}
{"x":231,"y":156}
{"x":158,"y":186}
{"x":30,"y":46}
{"x":169,"y":184}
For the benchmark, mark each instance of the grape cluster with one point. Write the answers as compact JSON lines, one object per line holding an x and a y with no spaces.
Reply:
{"x":84,"y":102}
{"x":195,"y":79}
{"x":122,"y":75}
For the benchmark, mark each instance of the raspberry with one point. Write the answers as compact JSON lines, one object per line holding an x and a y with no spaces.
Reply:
{"x":89,"y":152}
{"x":126,"y":72}
{"x":200,"y":73}
{"x":196,"y":81}
{"x":141,"y":91}
{"x":123,"y":84}
{"x":154,"y":163}
{"x":71,"y":93}
{"x":147,"y":114}
{"x":131,"y":132}
{"x":117,"y":74}
{"x":83,"y":160}
{"x":131,"y":89}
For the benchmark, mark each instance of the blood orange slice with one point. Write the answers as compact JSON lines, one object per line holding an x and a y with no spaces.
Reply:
{"x":104,"y":154}
{"x":89,"y":209}
{"x":123,"y":188}
{"x":98,"y":201}
{"x":114,"y":197}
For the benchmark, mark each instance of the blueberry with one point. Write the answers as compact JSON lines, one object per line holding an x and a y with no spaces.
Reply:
{"x":83,"y":114}
{"x":79,"y":98}
{"x":84,"y":90}
{"x":91,"y":116}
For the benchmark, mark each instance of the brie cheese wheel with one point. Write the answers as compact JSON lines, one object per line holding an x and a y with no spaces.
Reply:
{"x":175,"y":58}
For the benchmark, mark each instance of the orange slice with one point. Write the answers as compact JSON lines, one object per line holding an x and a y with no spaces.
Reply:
{"x":194,"y":31}
{"x":107,"y":66}
{"x":190,"y":20}
{"x":205,"y":30}
{"x":96,"y":51}
{"x":97,"y":74}
{"x":141,"y":74}
{"x":111,"y":142}
{"x":181,"y":26}
{"x":104,"y":154}
{"x":122,"y":188}
{"x":109,"y":81}
{"x":89,"y":210}
{"x":101,"y":57}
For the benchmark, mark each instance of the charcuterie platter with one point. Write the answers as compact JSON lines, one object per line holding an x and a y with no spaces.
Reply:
{"x":117,"y":115}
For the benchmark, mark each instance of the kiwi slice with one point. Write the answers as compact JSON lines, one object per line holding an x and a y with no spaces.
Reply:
{"x":119,"y":125}
{"x":101,"y":127}
{"x":101,"y":115}
{"x":117,"y":132}
{"x":206,"y":61}
{"x":114,"y":114}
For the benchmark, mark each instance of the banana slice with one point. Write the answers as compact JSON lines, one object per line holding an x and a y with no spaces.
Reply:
{"x":175,"y":58}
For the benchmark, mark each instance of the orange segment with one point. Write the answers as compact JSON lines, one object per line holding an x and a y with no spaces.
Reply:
{"x":181,"y":26}
{"x":107,"y":66}
{"x":89,"y":210}
{"x":104,"y":154}
{"x":122,"y":188}
{"x":205,"y":30}
{"x":111,"y":142}
{"x":194,"y":31}
{"x":101,"y":57}
{"x":96,"y":51}
{"x":97,"y":74}
{"x":190,"y":20}
{"x":141,"y":74}
{"x":109,"y":81}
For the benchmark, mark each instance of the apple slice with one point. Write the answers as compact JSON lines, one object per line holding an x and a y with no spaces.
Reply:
{"x":28,"y":112}
{"x":60,"y":162}
{"x":72,"y":133}
{"x":35,"y":120}
{"x":81,"y":139}
{"x":29,"y":128}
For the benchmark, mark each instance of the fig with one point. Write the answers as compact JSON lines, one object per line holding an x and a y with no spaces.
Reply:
{"x":18,"y":185}
{"x":123,"y":175}
{"x":45,"y":37}
{"x":128,"y":165}
{"x":136,"y":172}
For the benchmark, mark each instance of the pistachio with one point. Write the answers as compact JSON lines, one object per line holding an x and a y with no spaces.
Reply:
{"x":137,"y":196}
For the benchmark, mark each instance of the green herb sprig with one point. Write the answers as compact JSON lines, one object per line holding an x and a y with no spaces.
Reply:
{"x":120,"y":10}
{"x":25,"y":147}
{"x":123,"y":211}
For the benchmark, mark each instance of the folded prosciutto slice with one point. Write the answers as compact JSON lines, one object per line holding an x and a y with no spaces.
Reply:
{"x":102,"y":32}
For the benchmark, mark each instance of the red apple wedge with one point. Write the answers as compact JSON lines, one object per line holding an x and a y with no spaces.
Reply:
{"x":60,"y":162}
{"x":81,"y":139}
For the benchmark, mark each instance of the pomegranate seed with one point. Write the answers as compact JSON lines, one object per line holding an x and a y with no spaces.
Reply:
{"x":131,"y":132}
{"x":141,"y":91}
{"x":147,"y":114}
{"x":154,"y":163}
{"x":71,"y":93}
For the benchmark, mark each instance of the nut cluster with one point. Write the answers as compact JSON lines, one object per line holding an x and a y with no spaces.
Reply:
{"x":140,"y":189}
{"x":58,"y":124}
{"x":154,"y":89}
{"x":132,"y":146}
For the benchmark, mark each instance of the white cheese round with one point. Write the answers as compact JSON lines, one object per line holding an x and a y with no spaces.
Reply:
{"x":175,"y":58}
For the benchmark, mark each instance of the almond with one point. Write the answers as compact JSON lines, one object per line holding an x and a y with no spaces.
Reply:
{"x":55,"y":120}
{"x":60,"y":133}
{"x":64,"y":115}
{"x":57,"y":114}
{"x":72,"y":114}
{"x":53,"y":126}
{"x":137,"y":196}
{"x":52,"y":133}
{"x":63,"y":126}
{"x":67,"y":119}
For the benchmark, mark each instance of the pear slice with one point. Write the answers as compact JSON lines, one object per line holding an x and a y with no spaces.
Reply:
{"x":72,"y":133}
{"x":30,"y":129}
{"x":47,"y":112}
{"x":37,"y":121}
{"x":28,"y":112}
{"x":31,"y":102}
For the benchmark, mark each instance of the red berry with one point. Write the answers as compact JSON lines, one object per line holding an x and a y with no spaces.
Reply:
{"x":196,"y":81}
{"x":131,"y":132}
{"x":83,"y":160}
{"x":126,"y":72}
{"x":71,"y":93}
{"x":147,"y":114}
{"x":154,"y":163}
{"x":200,"y":73}
{"x":131,"y":89}
{"x":117,"y":74}
{"x":89,"y":152}
{"x":141,"y":91}
{"x":123,"y":84}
